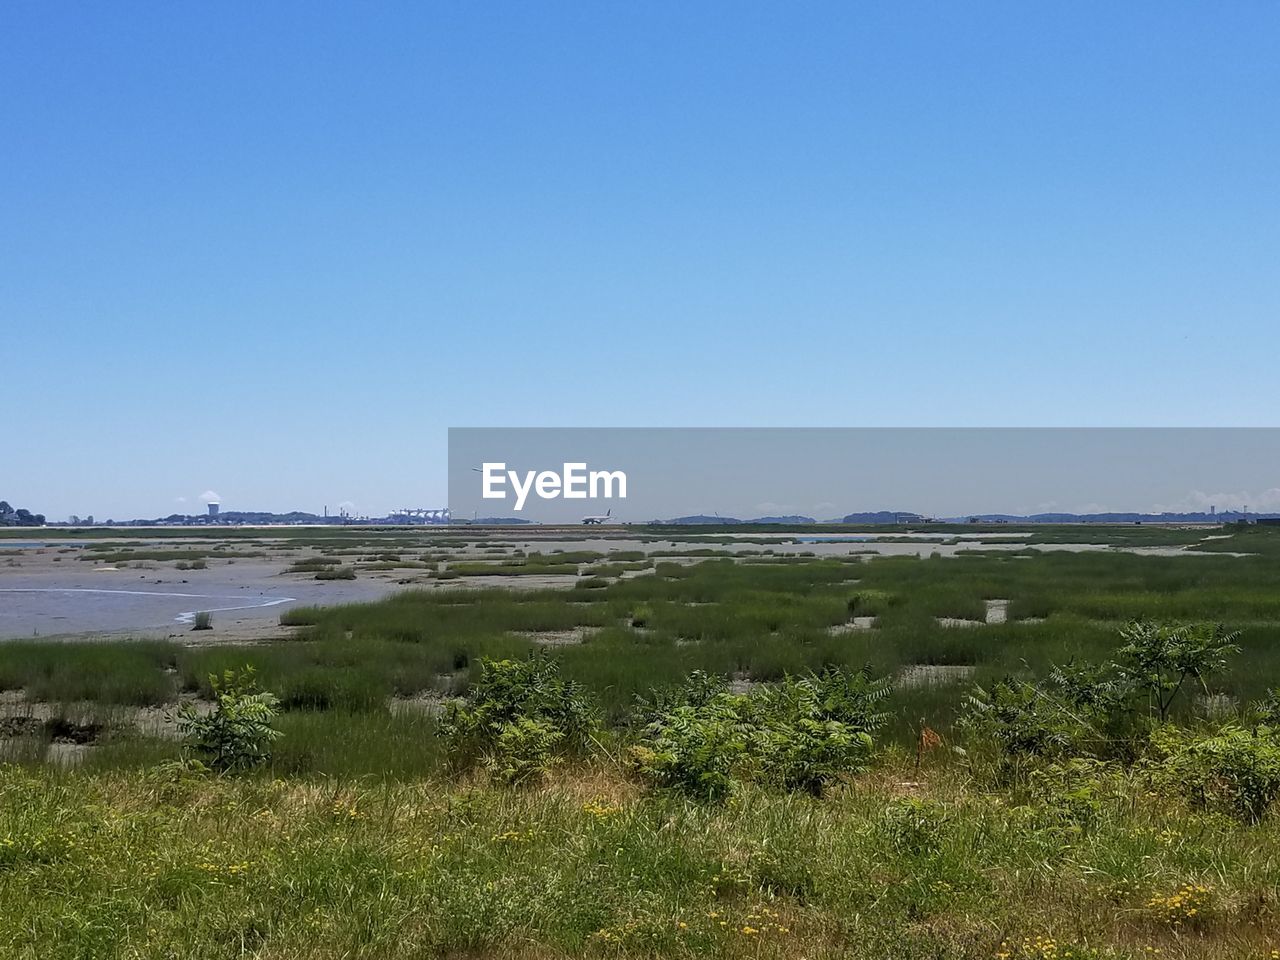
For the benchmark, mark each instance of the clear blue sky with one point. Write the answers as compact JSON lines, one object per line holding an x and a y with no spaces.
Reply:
{"x":275,"y":250}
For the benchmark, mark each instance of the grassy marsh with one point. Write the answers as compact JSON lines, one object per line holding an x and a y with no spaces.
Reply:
{"x":357,"y":841}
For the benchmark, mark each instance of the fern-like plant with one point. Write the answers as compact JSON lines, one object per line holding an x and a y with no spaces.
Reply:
{"x":238,"y":733}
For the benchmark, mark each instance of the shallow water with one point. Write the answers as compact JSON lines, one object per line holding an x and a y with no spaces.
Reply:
{"x":75,"y":598}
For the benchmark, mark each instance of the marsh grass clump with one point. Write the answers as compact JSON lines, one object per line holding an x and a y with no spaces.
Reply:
{"x":338,"y":573}
{"x":640,"y":616}
{"x":111,"y":554}
{"x":616,"y":569}
{"x":509,"y":569}
{"x":203,"y":621}
{"x":313,"y":564}
{"x":127,"y":673}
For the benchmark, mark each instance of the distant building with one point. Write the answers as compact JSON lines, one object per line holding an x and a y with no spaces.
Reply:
{"x":213,"y":510}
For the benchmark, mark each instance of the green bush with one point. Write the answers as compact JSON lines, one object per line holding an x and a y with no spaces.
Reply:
{"x":203,"y":621}
{"x":518,"y":719}
{"x":524,"y":749}
{"x":1076,"y":792}
{"x":702,"y":746}
{"x":800,"y":734}
{"x":1014,"y":724}
{"x":1103,"y":711}
{"x":817,"y":727}
{"x":238,"y":733}
{"x":1232,"y":770}
{"x":913,"y":826}
{"x":1267,"y":710}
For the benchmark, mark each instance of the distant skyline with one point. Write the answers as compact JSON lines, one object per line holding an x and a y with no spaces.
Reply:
{"x":276,"y":251}
{"x":827,"y":473}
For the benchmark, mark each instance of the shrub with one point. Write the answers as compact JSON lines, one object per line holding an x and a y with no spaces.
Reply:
{"x":1019,"y":721}
{"x":701,"y":746}
{"x":524,"y":750}
{"x":518,"y":719}
{"x":913,"y":826}
{"x":238,"y":733}
{"x":818,"y":727}
{"x":203,"y":621}
{"x":800,"y":734}
{"x":1267,"y":710}
{"x":1076,"y":792}
{"x":1232,"y":770}
{"x":1102,"y":711}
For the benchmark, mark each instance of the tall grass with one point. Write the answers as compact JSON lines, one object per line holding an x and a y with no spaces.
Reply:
{"x":119,"y":672}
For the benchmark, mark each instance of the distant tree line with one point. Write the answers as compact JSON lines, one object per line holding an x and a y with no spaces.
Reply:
{"x":10,"y":517}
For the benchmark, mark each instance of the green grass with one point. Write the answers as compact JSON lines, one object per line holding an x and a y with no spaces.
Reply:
{"x":500,"y":569}
{"x":107,"y":865}
{"x":133,"y":672}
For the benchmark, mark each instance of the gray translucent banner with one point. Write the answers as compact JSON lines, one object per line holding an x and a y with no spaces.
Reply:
{"x":638,"y":475}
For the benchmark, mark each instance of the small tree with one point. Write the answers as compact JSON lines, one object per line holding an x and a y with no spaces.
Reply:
{"x":1158,"y":660}
{"x":238,"y":733}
